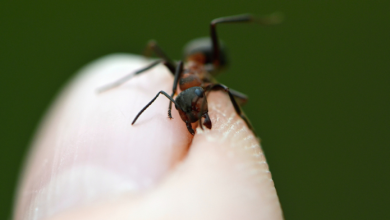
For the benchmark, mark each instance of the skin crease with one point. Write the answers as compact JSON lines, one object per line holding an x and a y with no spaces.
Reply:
{"x":88,"y":162}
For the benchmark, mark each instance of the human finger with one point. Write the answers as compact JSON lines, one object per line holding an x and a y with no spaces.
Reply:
{"x":87,"y":149}
{"x":224,"y":176}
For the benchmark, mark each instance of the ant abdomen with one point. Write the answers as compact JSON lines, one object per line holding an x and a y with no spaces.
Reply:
{"x":201,"y":50}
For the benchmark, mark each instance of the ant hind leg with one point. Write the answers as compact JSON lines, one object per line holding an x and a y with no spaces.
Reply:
{"x":152,"y":47}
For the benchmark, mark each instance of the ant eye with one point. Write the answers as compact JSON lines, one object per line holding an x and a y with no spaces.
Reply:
{"x":199,"y":92}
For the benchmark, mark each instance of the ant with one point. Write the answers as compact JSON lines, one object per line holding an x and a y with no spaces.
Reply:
{"x":204,"y":58}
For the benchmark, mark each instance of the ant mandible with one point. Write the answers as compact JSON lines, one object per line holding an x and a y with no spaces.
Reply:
{"x":204,"y":58}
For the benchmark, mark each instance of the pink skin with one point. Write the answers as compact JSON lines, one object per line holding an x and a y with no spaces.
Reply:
{"x":89,"y":162}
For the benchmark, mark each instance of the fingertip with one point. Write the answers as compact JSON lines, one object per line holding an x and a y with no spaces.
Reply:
{"x":231,"y":152}
{"x":86,"y":147}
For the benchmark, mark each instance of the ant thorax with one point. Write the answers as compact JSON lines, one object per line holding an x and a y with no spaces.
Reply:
{"x":194,"y":75}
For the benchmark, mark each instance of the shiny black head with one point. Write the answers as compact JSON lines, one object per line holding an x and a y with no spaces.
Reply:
{"x":192,"y":105}
{"x":203,"y":47}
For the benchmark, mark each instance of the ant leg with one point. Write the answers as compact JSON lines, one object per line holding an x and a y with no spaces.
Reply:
{"x":246,"y":18}
{"x":213,"y":32}
{"x":237,"y":108}
{"x":207,"y":121}
{"x":241,"y":98}
{"x":128,"y":76}
{"x":152,"y":46}
{"x":189,"y":128}
{"x":178,"y":72}
{"x":144,"y":108}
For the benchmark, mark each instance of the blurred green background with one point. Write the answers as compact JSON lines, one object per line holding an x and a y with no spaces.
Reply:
{"x":318,"y":85}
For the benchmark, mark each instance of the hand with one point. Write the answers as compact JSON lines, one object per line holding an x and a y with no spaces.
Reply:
{"x":89,"y":162}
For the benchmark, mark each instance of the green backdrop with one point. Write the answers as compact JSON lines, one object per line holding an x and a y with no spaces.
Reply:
{"x":318,"y":85}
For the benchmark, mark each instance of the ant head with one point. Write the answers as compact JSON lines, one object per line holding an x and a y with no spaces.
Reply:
{"x":201,"y":51}
{"x":193,"y":105}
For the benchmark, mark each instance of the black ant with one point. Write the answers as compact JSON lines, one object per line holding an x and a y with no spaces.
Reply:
{"x":204,"y":58}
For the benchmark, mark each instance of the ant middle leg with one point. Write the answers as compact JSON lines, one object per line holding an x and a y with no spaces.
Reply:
{"x":151,"y":47}
{"x":129,"y":76}
{"x":189,"y":128}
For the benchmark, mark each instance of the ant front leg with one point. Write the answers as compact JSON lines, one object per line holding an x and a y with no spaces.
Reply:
{"x":178,"y":72}
{"x":189,"y":128}
{"x":144,"y":108}
{"x":241,"y":98}
{"x":152,"y":46}
{"x":237,"y":108}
